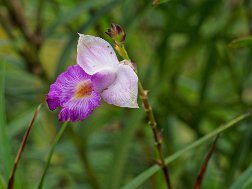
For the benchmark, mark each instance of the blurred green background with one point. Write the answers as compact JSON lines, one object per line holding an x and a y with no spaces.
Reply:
{"x":196,"y":83}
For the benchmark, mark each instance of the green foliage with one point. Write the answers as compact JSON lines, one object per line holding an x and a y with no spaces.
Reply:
{"x":149,"y":172}
{"x":244,"y":181}
{"x":196,"y":83}
{"x":241,"y":42}
{"x":4,"y":139}
{"x":157,"y":2}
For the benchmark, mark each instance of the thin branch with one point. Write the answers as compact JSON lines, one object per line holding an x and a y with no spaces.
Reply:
{"x":21,"y":148}
{"x":15,"y":13}
{"x":204,"y":165}
{"x":156,"y":134}
{"x":152,"y":121}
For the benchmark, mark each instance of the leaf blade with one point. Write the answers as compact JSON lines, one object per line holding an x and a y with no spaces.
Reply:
{"x":244,"y":179}
{"x":122,"y":150}
{"x":67,"y":17}
{"x":241,"y":42}
{"x":5,"y":144}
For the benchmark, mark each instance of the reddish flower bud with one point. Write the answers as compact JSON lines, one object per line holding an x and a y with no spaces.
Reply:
{"x":116,"y":33}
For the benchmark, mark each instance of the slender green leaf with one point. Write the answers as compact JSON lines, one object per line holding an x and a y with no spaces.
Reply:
{"x":19,"y":123}
{"x":5,"y":145}
{"x":122,"y":150}
{"x":243,"y":149}
{"x":2,"y":184}
{"x":158,"y":2}
{"x":244,"y":181}
{"x":241,"y":42}
{"x":55,"y":142}
{"x":81,"y":147}
{"x":70,"y":15}
{"x":140,"y":179}
{"x":12,"y":60}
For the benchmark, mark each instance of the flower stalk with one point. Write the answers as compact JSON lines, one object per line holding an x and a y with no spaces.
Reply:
{"x":152,"y":122}
{"x":117,"y":33}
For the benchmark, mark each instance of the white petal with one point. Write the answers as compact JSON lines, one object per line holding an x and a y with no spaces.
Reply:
{"x":94,"y":54}
{"x":103,"y":79}
{"x":123,"y":92}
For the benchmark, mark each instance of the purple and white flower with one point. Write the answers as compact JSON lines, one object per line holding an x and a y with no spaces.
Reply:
{"x":97,"y":74}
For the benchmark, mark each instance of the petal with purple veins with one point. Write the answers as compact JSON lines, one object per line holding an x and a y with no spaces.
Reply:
{"x":73,"y":91}
{"x":124,"y":90}
{"x":79,"y":109}
{"x":95,"y":54}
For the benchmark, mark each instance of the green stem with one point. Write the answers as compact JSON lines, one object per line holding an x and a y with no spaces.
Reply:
{"x":152,"y":123}
{"x":55,"y":142}
{"x":122,"y":51}
{"x":125,"y":53}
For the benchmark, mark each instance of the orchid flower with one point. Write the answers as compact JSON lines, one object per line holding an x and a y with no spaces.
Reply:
{"x":97,"y":74}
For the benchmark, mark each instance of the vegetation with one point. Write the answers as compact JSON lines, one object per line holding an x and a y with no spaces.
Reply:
{"x":193,"y":56}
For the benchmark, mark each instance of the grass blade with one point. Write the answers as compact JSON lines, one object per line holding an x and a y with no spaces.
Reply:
{"x":239,"y":154}
{"x":140,"y":179}
{"x":241,"y":42}
{"x":66,"y":18}
{"x":132,"y":123}
{"x":5,"y":145}
{"x":158,"y":2}
{"x":55,"y":142}
{"x":2,"y":184}
{"x":81,"y":148}
{"x":21,"y":149}
{"x":244,"y":180}
{"x":204,"y":165}
{"x":18,"y":124}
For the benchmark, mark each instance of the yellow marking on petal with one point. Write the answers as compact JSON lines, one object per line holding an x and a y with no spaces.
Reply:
{"x":83,"y":89}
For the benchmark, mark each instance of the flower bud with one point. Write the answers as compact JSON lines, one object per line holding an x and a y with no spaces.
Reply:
{"x":116,"y":33}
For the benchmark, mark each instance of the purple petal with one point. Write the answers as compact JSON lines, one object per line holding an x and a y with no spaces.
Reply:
{"x":103,"y":79}
{"x":95,"y":54}
{"x":80,"y":109}
{"x":123,"y":91}
{"x":53,"y":100}
{"x":73,"y":91}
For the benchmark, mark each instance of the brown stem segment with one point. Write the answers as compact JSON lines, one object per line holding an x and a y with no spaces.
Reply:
{"x":21,"y":148}
{"x":203,"y":167}
{"x":156,"y":134}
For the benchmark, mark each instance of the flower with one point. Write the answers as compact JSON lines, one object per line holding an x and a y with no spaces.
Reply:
{"x":97,"y":74}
